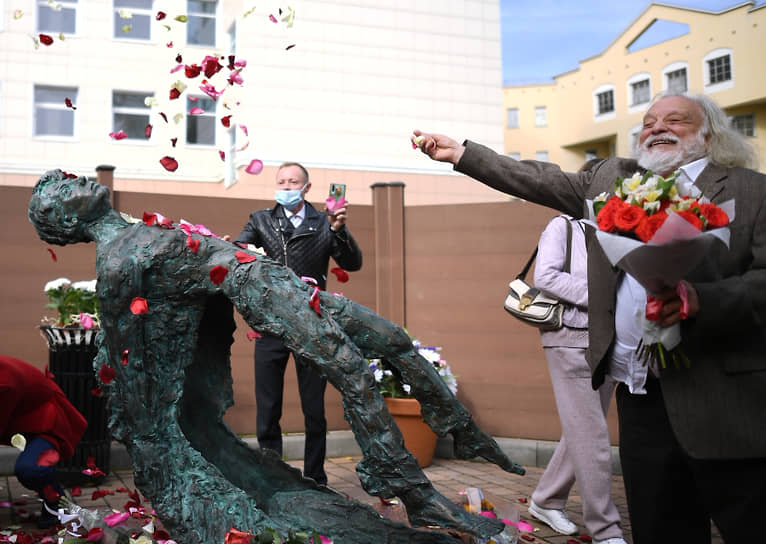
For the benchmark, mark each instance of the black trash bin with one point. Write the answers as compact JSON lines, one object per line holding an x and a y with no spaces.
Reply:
{"x":71,"y":353}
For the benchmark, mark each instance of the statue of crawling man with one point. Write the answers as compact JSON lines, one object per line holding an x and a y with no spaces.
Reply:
{"x":166,"y":295}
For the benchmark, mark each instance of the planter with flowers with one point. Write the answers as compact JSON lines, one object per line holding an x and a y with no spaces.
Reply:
{"x":405,"y":409}
{"x":71,"y":338}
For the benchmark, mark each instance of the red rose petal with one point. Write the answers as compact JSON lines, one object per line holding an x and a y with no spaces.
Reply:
{"x":340,"y":274}
{"x":174,"y":141}
{"x":53,"y":255}
{"x":245,"y":257}
{"x":252,"y":335}
{"x":148,"y":131}
{"x":169,"y":163}
{"x":218,"y":273}
{"x":528,"y":537}
{"x":272,"y":18}
{"x":222,"y":154}
{"x":289,"y":47}
{"x":192,"y":71}
{"x":101,"y":493}
{"x":68,"y":103}
{"x":192,"y":243}
{"x":226,"y":121}
{"x":96,"y":391}
{"x":164,"y":117}
{"x":161,"y":15}
{"x":45,"y":39}
{"x":76,"y":491}
{"x":95,"y":534}
{"x":124,"y":357}
{"x":139,"y":306}
{"x":174,"y":93}
{"x":169,"y":45}
{"x":585,"y":538}
{"x":161,"y":534}
{"x":106,"y":374}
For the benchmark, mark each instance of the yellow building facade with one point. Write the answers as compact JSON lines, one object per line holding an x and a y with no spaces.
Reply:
{"x":597,"y":109}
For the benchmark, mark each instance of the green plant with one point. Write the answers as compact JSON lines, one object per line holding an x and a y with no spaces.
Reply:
{"x":75,"y":303}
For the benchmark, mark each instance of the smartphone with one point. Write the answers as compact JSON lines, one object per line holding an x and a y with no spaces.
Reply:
{"x":338,"y":190}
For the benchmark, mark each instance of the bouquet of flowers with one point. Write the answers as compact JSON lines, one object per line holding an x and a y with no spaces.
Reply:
{"x":390,"y":383}
{"x":657,"y":232}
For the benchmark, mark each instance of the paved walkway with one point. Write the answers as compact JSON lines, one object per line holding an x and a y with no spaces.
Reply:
{"x":508,"y":492}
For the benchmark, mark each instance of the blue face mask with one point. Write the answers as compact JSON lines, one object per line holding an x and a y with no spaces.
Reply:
{"x":289,"y":198}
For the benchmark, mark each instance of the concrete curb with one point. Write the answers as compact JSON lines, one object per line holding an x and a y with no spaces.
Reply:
{"x":534,"y":453}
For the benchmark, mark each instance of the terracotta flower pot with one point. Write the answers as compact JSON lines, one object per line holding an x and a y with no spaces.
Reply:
{"x":418,"y":436}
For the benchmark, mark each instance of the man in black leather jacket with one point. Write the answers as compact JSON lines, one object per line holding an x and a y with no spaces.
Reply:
{"x":296,"y":235}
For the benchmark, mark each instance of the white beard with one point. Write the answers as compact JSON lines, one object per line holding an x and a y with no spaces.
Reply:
{"x":665,"y":163}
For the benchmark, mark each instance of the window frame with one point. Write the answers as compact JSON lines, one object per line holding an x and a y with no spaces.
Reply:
{"x":65,"y":5}
{"x":636,"y":79}
{"x":671,"y":69}
{"x":507,"y":118}
{"x":55,"y":106}
{"x":129,"y":110}
{"x":602,"y":89}
{"x":538,"y":156}
{"x":207,"y":114}
{"x":743,"y":116}
{"x":148,"y":12}
{"x":515,"y":155}
{"x":715,"y":54}
{"x":544,"y":111}
{"x":216,"y":22}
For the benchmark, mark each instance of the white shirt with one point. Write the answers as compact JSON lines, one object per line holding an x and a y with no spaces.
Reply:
{"x":625,"y":366}
{"x":296,"y":218}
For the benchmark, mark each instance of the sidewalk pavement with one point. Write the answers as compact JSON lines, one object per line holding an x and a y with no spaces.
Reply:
{"x":449,"y":476}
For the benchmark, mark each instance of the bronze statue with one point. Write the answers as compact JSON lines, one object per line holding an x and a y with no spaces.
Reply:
{"x":166,"y":297}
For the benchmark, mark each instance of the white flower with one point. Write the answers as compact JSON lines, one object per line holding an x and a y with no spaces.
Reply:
{"x":18,"y":441}
{"x":125,"y":13}
{"x":56,"y":284}
{"x":601,"y":197}
{"x":652,"y":207}
{"x":406,"y":388}
{"x":89,"y":286}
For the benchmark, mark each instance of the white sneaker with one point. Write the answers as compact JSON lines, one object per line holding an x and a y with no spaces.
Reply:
{"x":555,"y":519}
{"x":614,"y":540}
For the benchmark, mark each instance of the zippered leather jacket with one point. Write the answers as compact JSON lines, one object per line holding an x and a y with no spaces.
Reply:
{"x":305,"y":250}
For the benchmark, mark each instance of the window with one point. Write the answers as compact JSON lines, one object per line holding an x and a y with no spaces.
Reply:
{"x":130,"y":114}
{"x":719,"y":69}
{"x":541,"y":156}
{"x":515,"y":155}
{"x":640,"y":92}
{"x":605,"y":102}
{"x":57,"y":17}
{"x":200,"y":129}
{"x":513,"y":117}
{"x":591,"y":154}
{"x":744,"y":124}
{"x":541,"y":116}
{"x":675,"y":81}
{"x":200,"y":28}
{"x":139,"y":25}
{"x":52,"y":116}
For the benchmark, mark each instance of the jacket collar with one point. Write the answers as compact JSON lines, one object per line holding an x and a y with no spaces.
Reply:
{"x":311,"y":221}
{"x":712,"y":180}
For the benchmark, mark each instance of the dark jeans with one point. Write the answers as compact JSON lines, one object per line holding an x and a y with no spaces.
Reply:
{"x":270,"y":362}
{"x":33,"y":476}
{"x":671,"y":496}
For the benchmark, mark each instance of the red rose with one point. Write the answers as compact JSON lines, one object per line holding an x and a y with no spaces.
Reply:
{"x":605,"y":217}
{"x":628,"y":217}
{"x":649,"y":225}
{"x":691,"y":217}
{"x":715,"y":216}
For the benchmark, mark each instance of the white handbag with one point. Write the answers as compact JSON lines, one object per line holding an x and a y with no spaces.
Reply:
{"x":528,"y":304}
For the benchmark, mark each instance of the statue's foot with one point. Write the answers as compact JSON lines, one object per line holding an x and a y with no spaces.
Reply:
{"x":426,"y":507}
{"x":472,"y":442}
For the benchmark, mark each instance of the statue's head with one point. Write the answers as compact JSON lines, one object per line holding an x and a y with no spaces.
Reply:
{"x":61,"y":207}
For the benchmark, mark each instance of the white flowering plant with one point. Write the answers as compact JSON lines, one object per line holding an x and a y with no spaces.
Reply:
{"x":390,"y":383}
{"x":75,"y":303}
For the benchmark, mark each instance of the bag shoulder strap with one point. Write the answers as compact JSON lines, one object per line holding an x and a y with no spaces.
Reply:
{"x":567,"y":262}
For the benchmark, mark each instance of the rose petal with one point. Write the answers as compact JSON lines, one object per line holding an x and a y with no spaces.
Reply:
{"x":289,"y":47}
{"x":196,"y":111}
{"x":340,"y":274}
{"x":148,"y":131}
{"x":192,"y":243}
{"x":53,"y":255}
{"x":255,"y":167}
{"x":222,"y":154}
{"x":164,"y":117}
{"x":95,"y":534}
{"x":218,"y":273}
{"x":45,"y":39}
{"x":68,"y":103}
{"x":161,"y":15}
{"x":226,"y":121}
{"x":245,"y":257}
{"x":139,"y":306}
{"x":119,"y":135}
{"x":524,"y":526}
{"x":116,"y":518}
{"x":100,"y":493}
{"x":252,"y":335}
{"x":124,"y":357}
{"x":96,"y":391}
{"x":76,"y":491}
{"x":244,"y":129}
{"x":169,"y":163}
{"x":272,"y":18}
{"x":106,"y":374}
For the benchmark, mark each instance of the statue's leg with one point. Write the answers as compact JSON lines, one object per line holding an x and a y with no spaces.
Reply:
{"x":273,"y":301}
{"x":379,"y":337}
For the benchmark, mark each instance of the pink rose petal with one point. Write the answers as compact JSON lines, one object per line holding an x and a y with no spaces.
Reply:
{"x":255,"y":167}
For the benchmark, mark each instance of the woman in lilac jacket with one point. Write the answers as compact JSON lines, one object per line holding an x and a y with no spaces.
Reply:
{"x":584,"y":451}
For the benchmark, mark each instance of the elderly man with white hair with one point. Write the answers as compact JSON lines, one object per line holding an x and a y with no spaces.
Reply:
{"x":692,"y":445}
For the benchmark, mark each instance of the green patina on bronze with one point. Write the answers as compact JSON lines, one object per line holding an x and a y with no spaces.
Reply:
{"x":173,"y":383}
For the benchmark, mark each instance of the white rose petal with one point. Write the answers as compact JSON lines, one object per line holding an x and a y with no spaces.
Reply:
{"x":55,"y":284}
{"x":89,"y":286}
{"x":18,"y":441}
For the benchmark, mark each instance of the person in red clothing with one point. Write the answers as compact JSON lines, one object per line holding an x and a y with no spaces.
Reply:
{"x":32,"y":405}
